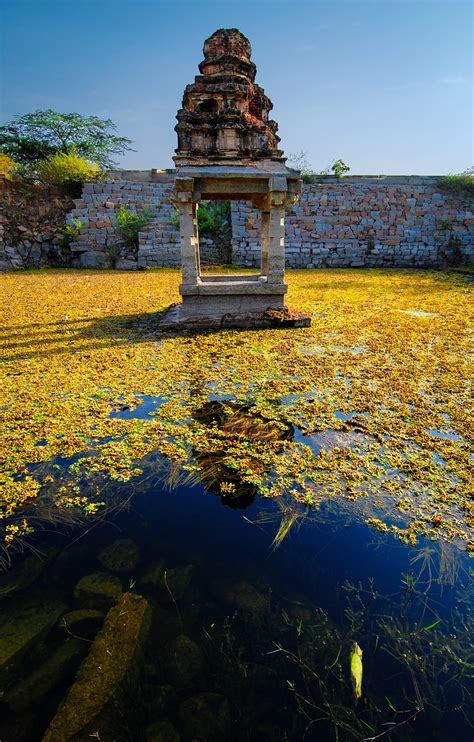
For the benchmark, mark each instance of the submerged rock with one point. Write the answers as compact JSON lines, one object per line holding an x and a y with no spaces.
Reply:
{"x":186,"y":661}
{"x":154,"y":574}
{"x":162,"y":731}
{"x":206,"y":717}
{"x":240,"y":595}
{"x":162,"y":698}
{"x":19,"y":727}
{"x":26,"y":571}
{"x":172,"y":584}
{"x":23,"y":625}
{"x":177,"y":581}
{"x":98,"y":590}
{"x":84,"y":622}
{"x":120,"y":556}
{"x":107,"y":679}
{"x":54,"y":670}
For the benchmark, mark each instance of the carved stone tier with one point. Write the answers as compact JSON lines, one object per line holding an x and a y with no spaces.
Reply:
{"x":224,"y":114}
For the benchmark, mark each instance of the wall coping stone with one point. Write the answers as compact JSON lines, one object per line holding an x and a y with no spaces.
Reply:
{"x":155,"y":175}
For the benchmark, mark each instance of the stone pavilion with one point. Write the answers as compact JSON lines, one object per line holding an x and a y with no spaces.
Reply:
{"x":228,"y":149}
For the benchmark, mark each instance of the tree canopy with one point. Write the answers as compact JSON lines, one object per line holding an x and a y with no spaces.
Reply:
{"x":35,"y":136}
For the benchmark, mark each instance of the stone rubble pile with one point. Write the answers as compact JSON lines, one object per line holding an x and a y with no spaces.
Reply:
{"x":32,"y":222}
{"x":34,"y":250}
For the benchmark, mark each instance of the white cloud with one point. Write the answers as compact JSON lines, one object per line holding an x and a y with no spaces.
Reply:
{"x":454,"y":80}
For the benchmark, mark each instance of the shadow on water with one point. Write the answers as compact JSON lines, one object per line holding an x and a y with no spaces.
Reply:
{"x":103,"y":332}
{"x":192,"y":621}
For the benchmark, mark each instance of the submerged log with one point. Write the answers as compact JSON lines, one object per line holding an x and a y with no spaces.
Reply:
{"x":107,"y":679}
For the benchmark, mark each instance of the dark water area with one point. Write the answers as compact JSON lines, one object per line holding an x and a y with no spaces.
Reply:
{"x":244,"y":639}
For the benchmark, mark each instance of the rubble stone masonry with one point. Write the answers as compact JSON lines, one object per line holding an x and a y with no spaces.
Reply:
{"x":357,"y":221}
{"x":363,"y":221}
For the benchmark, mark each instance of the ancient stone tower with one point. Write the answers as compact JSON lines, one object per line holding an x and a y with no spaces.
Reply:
{"x":225,"y":113}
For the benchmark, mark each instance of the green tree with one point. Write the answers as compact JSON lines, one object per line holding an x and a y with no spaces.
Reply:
{"x":68,"y":171}
{"x":339,"y":168}
{"x":38,"y":135}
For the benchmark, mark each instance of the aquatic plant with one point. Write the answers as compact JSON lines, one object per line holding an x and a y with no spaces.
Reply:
{"x":375,"y":415}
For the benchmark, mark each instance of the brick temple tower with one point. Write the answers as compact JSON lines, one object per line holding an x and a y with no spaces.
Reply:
{"x":225,"y":114}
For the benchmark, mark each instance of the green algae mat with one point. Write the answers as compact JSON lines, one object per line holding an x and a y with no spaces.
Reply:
{"x":370,"y":406}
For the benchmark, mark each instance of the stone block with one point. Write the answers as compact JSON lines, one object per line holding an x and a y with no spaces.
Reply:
{"x":126,"y":265}
{"x":24,"y":622}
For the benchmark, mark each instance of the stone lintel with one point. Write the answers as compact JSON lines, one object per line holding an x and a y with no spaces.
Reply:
{"x":184,"y":183}
{"x":233,"y":288}
{"x":262,"y":170}
{"x":231,"y":277}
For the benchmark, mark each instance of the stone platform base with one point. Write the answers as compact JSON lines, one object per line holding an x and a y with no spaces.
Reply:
{"x":175,"y":320}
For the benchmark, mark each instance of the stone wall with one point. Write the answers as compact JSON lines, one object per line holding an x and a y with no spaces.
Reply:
{"x":99,"y":245}
{"x":365,"y":222}
{"x":32,"y":223}
{"x":358,"y":221}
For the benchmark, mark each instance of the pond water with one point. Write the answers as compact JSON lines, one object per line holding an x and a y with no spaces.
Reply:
{"x":247,"y":635}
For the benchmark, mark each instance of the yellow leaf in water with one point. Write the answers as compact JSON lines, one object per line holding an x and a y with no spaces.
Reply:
{"x":356,"y":670}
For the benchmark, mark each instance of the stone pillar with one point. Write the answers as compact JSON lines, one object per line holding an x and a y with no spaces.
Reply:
{"x":276,"y":238}
{"x":188,"y":227}
{"x":189,"y":241}
{"x":264,"y":241}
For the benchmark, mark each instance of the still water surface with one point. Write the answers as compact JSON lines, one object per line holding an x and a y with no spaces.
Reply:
{"x":248,"y":640}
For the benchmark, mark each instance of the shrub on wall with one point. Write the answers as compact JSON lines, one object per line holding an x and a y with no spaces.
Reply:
{"x":339,"y":168}
{"x":7,"y":166}
{"x":457,"y":183}
{"x":71,"y":232}
{"x":129,"y":224}
{"x":68,"y":171}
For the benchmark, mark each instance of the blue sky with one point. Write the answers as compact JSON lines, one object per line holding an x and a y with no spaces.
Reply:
{"x":386,"y":85}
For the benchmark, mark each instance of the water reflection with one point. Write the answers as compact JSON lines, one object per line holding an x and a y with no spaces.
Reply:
{"x":234,"y":421}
